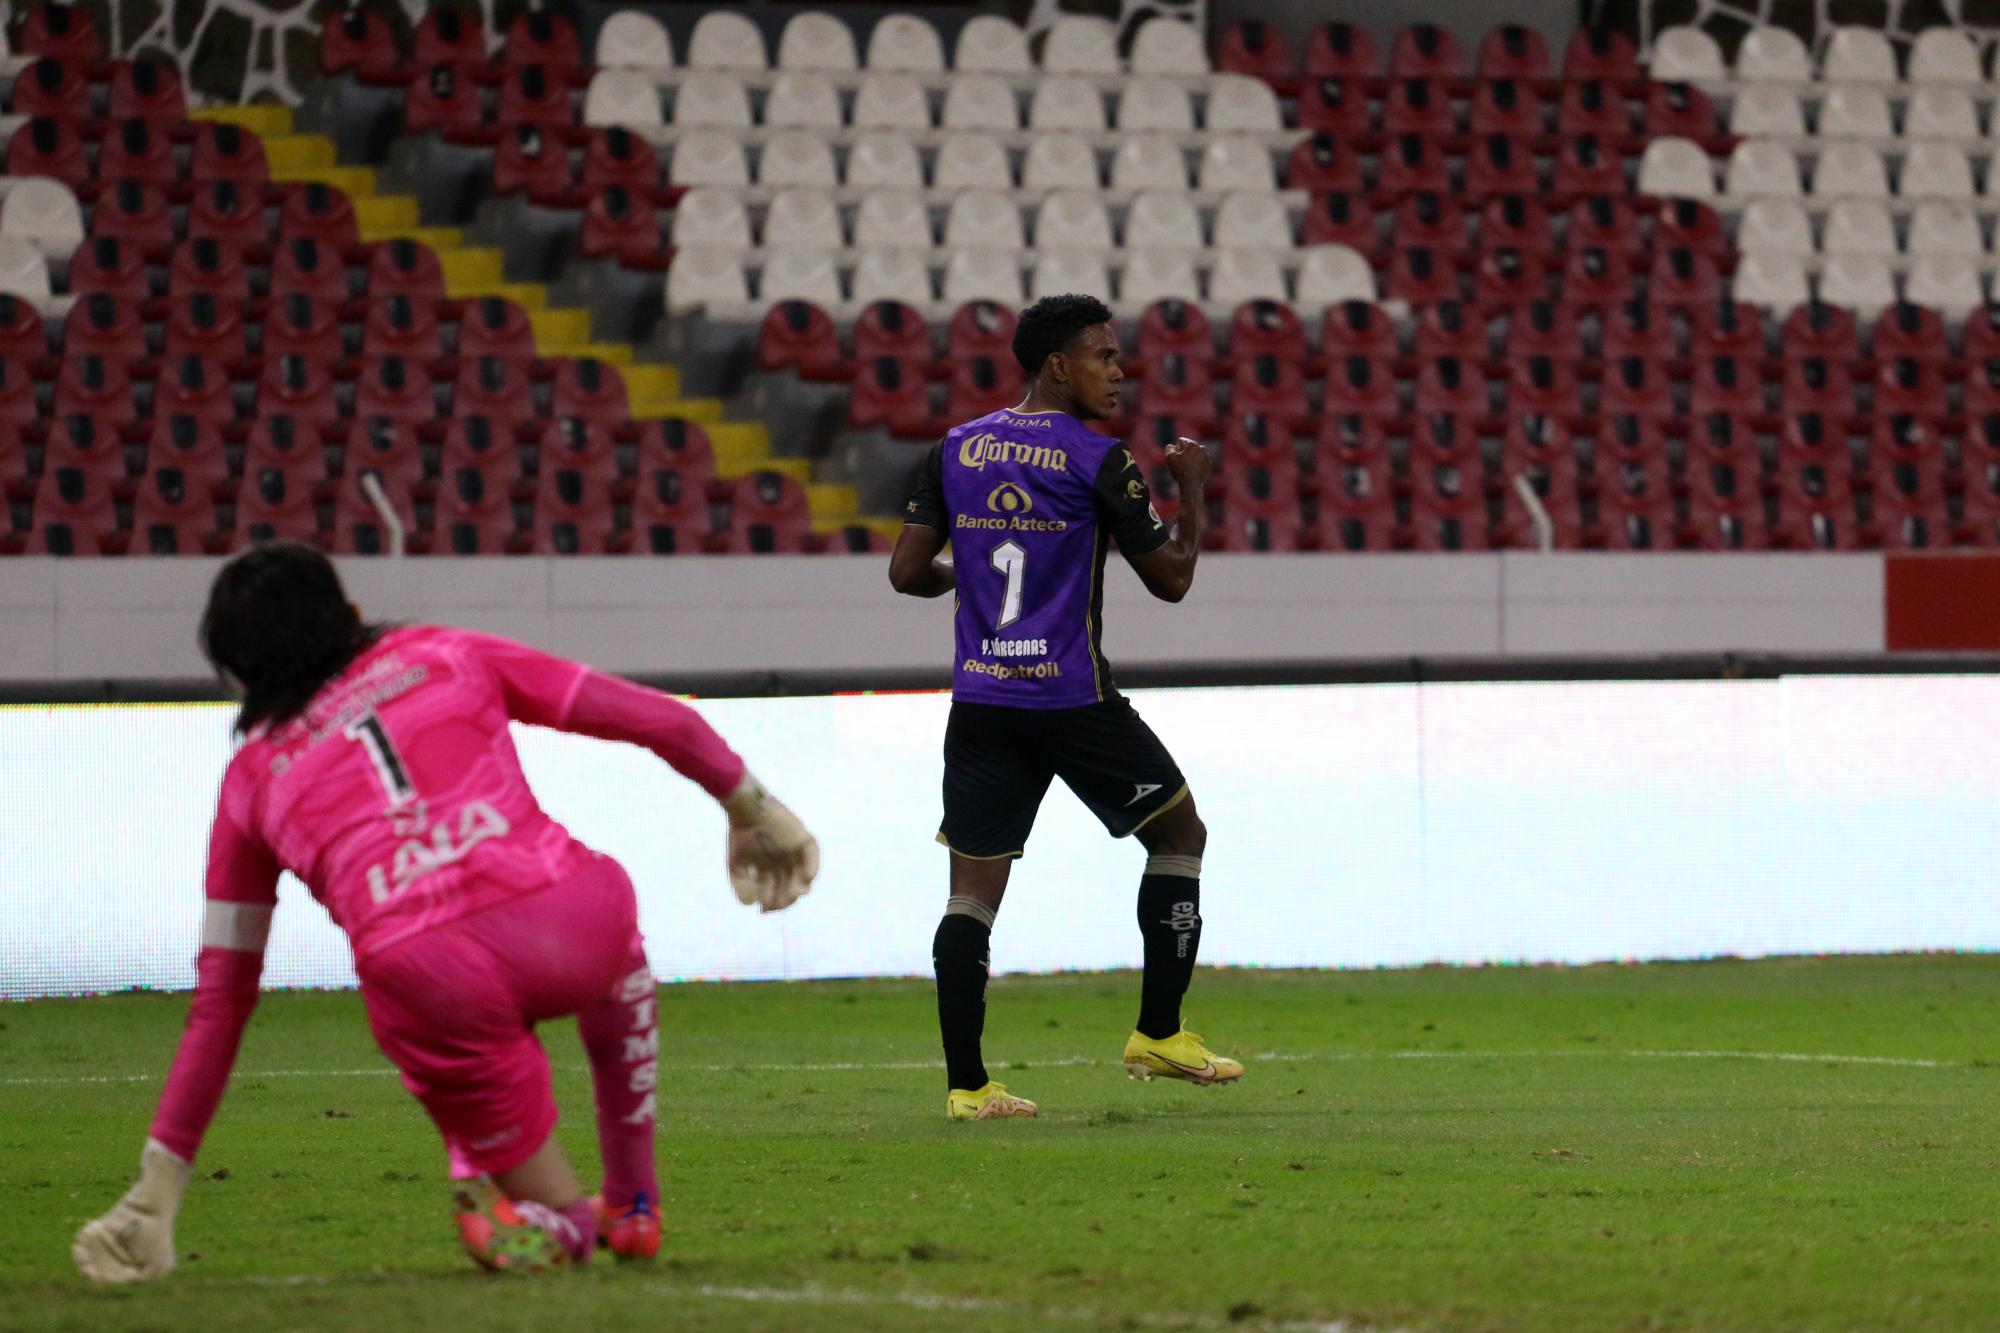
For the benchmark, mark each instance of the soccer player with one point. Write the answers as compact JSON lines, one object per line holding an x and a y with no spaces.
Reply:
{"x":377,"y":767}
{"x":1029,"y":498}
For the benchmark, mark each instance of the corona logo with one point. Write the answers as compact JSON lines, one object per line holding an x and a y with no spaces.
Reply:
{"x":1007,"y":498}
{"x":979,"y":450}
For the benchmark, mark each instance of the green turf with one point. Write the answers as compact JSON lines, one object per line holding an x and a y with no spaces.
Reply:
{"x":1450,"y":1149}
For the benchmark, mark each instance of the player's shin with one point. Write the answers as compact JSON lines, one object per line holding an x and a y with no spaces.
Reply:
{"x":622,"y":1039}
{"x":1170,"y":921}
{"x":959,"y":952}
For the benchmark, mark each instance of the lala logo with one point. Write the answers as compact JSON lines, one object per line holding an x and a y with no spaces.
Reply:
{"x":440,"y":846}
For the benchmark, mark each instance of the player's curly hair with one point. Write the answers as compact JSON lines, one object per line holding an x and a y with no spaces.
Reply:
{"x":279,"y":625}
{"x":1051,"y":324}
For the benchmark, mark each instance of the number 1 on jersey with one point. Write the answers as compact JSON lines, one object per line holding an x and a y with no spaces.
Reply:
{"x":1011,"y":560}
{"x":389,"y":770}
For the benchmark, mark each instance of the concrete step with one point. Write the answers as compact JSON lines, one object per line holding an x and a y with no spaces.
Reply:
{"x":264,"y":119}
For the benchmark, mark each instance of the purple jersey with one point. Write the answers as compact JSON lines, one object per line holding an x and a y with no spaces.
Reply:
{"x":1030,"y":501}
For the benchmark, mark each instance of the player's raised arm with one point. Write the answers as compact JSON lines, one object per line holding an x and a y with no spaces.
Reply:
{"x":1167,"y":568}
{"x":135,"y":1240}
{"x":916,"y":568}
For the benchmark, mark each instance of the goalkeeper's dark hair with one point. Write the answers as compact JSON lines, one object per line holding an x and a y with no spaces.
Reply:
{"x":1053,"y":323}
{"x":279,"y":625}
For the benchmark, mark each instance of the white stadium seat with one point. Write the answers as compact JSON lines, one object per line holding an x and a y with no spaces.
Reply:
{"x":1935,"y":170}
{"x":1157,"y":275}
{"x":1686,"y":53}
{"x":816,"y":41}
{"x":1859,"y":227}
{"x":1239,"y":104}
{"x":43,"y":213}
{"x":1767,"y":110}
{"x":801,"y":98}
{"x":1254,"y":219}
{"x":1059,"y":271}
{"x":1775,"y":224}
{"x":800,"y":275}
{"x":1079,"y":44}
{"x":905,"y":42}
{"x":884,"y":160}
{"x":1856,"y":54}
{"x":1859,"y":282}
{"x":631,"y":39}
{"x":723,"y":39}
{"x":982,"y":275}
{"x":1168,"y":46}
{"x":1162,"y":220}
{"x":993,"y":45}
{"x":1149,"y":162}
{"x":983,"y":220}
{"x":621,"y":97}
{"x":1940,"y":113}
{"x":1770,"y":54}
{"x":711,"y":97}
{"x":708,"y":216}
{"x":1060,"y":161}
{"x":1072,"y":220}
{"x":803,"y":219}
{"x":1855,"y":113}
{"x":1331,"y":274}
{"x":704,"y":276}
{"x":708,"y":157}
{"x":1674,"y":168}
{"x":1147,"y":105}
{"x":1066,"y":104}
{"x":980,"y":102}
{"x":1761,"y":167}
{"x":971,"y":162}
{"x":1236,"y":162}
{"x":893,"y":219}
{"x":893,"y":275}
{"x":1772,"y":281}
{"x":1237,"y":276}
{"x":24,"y":272}
{"x":1849,"y":171}
{"x":1945,"y":227}
{"x":891,"y":102}
{"x":1944,"y":55}
{"x":797,"y":157}
{"x":1953,"y":285}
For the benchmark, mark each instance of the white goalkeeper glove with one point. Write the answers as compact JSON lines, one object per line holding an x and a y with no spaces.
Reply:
{"x":135,"y":1240}
{"x":772,"y":859}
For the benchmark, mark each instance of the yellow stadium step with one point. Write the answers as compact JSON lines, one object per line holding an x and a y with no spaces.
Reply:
{"x":474,"y":266}
{"x":833,"y":502}
{"x":357,"y":183}
{"x":888,"y":527}
{"x":384,"y":212}
{"x":530,"y":296}
{"x":617,"y":354}
{"x":653,"y":383}
{"x":264,"y":119}
{"x":290,"y":154}
{"x":437,"y":238}
{"x":798,"y":469}
{"x":561,"y":327}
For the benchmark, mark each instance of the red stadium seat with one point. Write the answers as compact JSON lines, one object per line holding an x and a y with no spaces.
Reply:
{"x":1723,"y":453}
{"x":495,"y":387}
{"x":579,"y":442}
{"x":1180,"y":387}
{"x":1337,"y":107}
{"x":1815,"y":511}
{"x":678,"y":445}
{"x":1172,"y":328}
{"x":1357,"y":328}
{"x":133,"y":150}
{"x":1814,"y":384}
{"x":1545,"y":386}
{"x":401,"y":327}
{"x":1425,"y":51}
{"x":481,"y":444}
{"x":228,"y":213}
{"x":1636,"y":388}
{"x":359,"y":527}
{"x":1408,"y":164}
{"x":1816,"y":329}
{"x":1519,"y":221}
{"x":1981,"y":333}
{"x":53,"y":88}
{"x":446,"y":101}
{"x":1500,"y":165}
{"x":1635,"y":328}
{"x":533,"y":95}
{"x":1364,"y":387}
{"x":448,"y":37}
{"x":1725,"y":329}
{"x":669,"y":513}
{"x":1635,"y":508}
{"x":799,"y":337}
{"x":1357,"y":510}
{"x":1681,"y":110}
{"x":172,"y":514}
{"x":1319,"y":164}
{"x":474,"y":513}
{"x":97,"y":386}
{"x":1692,"y":225}
{"x":397,"y":389}
{"x":1627,"y":438}
{"x":1452,"y":387}
{"x":1586,"y":166}
{"x":1340,"y":217}
{"x":1537,"y":444}
{"x":294,"y":386}
{"x":276,"y":500}
{"x":1431,"y":220}
{"x":1267,"y":328}
{"x":1512,"y":52}
{"x":1256,"y":48}
{"x":1606,"y":222}
{"x":1446,"y":445}
{"x":192,"y":447}
{"x":45,"y":147}
{"x":573,"y":513}
{"x":1600,"y":53}
{"x":1681,"y":278}
{"x":304,"y":266}
{"x":537,"y":37}
{"x":1596,"y":278}
{"x":1900,"y":439}
{"x":890,"y":394}
{"x":195,"y":387}
{"x":22,"y":334}
{"x":1507,"y":106}
{"x":1418,"y":107}
{"x":532,"y":162}
{"x":283,"y":442}
{"x":388,"y":448}
{"x":74,"y":513}
{"x":495,"y":326}
{"x":1448,"y":512}
{"x":1816,"y":446}
{"x":60,"y":30}
{"x":1593,"y":107}
{"x":355,"y":40}
{"x":134,"y":213}
{"x":1725,"y":519}
{"x":617,"y":156}
{"x":1908,"y":511}
{"x":206,"y":267}
{"x":1918,"y":333}
{"x":405,"y":266}
{"x":1349,"y":439}
{"x":621,"y":225}
{"x":1240,"y":532}
{"x":1507,"y":277}
{"x":855,"y":539}
{"x":1341,"y":50}
{"x":589,"y":388}
{"x":895,"y":329}
{"x":1726,"y":384}
{"x":300,"y":326}
{"x":87,"y":441}
{"x":146,"y":90}
{"x":981,"y":385}
{"x":1909,"y":386}
{"x":1981,"y":395}
{"x":768,"y":513}
{"x":1271,"y":386}
{"x":227,"y":152}
{"x":1253,"y":439}
{"x":1421,"y":277}
{"x":104,"y":326}
{"x":1450,"y":328}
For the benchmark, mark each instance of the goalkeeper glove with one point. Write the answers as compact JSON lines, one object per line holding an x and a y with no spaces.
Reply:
{"x":135,"y":1240}
{"x":772,"y":859}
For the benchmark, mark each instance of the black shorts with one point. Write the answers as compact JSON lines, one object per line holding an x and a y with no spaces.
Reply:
{"x":998,"y":762}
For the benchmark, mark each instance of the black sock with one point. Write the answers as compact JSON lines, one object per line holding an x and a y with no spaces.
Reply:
{"x":1170,"y":920}
{"x":959,"y":953}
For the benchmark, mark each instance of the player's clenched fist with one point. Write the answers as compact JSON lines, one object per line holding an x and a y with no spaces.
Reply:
{"x":772,"y":859}
{"x":135,"y":1240}
{"x":1189,"y":462}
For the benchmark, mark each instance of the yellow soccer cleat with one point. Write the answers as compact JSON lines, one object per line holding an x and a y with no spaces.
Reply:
{"x":1179,"y":1056}
{"x":992,"y":1102}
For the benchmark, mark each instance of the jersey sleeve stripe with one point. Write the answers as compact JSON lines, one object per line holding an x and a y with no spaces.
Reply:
{"x":241,"y":926}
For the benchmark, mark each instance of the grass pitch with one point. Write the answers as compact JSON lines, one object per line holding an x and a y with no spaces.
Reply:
{"x":1792,"y":1144}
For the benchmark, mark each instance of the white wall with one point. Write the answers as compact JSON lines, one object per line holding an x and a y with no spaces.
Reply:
{"x":134,"y":619}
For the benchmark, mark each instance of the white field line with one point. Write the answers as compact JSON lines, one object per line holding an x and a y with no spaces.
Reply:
{"x":1080,"y":1061}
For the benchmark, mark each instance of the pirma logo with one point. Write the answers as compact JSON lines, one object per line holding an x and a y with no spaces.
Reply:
{"x":1008,"y":498}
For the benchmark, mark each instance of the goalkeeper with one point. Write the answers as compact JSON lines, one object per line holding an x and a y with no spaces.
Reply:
{"x":377,"y":766}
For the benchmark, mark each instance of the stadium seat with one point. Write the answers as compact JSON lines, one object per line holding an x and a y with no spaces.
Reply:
{"x":321,"y":212}
{"x":1916,"y":332}
{"x":890,"y":393}
{"x":135,"y":214}
{"x":982,"y":275}
{"x":723,"y":39}
{"x":980,"y":102}
{"x":1933,"y":170}
{"x":800,"y":337}
{"x":1235,"y":162}
{"x":1330,"y":274}
{"x":1855,"y":113}
{"x":905,"y":42}
{"x":1843,"y":171}
{"x":1944,"y":55}
{"x":1059,"y":271}
{"x":1763,"y":167}
{"x":982,"y":384}
{"x":1858,"y":54}
{"x":1856,"y":227}
{"x":633,"y":39}
{"x":227,"y":152}
{"x":624,"y":97}
{"x":106,"y":326}
{"x":714,"y":98}
{"x":573,"y":513}
{"x":302,"y":327}
{"x":197,"y":387}
{"x":1544,"y":329}
{"x":1673,"y":168}
{"x":590,"y":389}
{"x":1066,"y":105}
{"x":1940,"y":113}
{"x":495,"y":326}
{"x":206,"y":266}
{"x":534,"y":95}
{"x":813,"y":41}
{"x":51,"y":148}
{"x":357,"y":41}
{"x":51,"y":88}
{"x":1169,"y":47}
{"x":444,"y":100}
{"x":993,"y":45}
{"x":1255,"y":48}
{"x":895,"y":219}
{"x":1686,"y":53}
{"x":473,"y":514}
{"x":1499,"y":106}
{"x":1951,"y":284}
{"x":1499,"y":166}
{"x":1512,"y":51}
{"x":1945,"y":227}
{"x":1818,"y":329}
{"x":448,"y":37}
{"x":621,"y":226}
{"x":303,"y":266}
{"x":490,"y":386}
{"x":892,"y":328}
{"x":1059,"y":161}
{"x":398,"y":326}
{"x":406,"y":266}
{"x":542,"y":39}
{"x":893,"y":102}
{"x":1252,"y":219}
{"x":1272,"y":387}
{"x":23,"y":336}
{"x":1771,"y":54}
{"x":1149,"y":162}
{"x":796,"y":98}
{"x":669,"y":514}
{"x":1768,"y":111}
{"x":768,"y":513}
{"x":883,"y":160}
{"x":195,"y":449}
{"x":1771,"y":281}
{"x":1425,"y":51}
{"x":224,"y":212}
{"x":699,"y":276}
{"x":1339,"y":218}
{"x":791,"y":274}
{"x":73,"y":513}
{"x":1600,"y":53}
{"x":1336,"y":107}
{"x":1241,"y":105}
{"x":1680,"y":110}
{"x":1409,"y":163}
{"x":395,"y":389}
{"x":1072,"y":219}
{"x":1081,"y":44}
